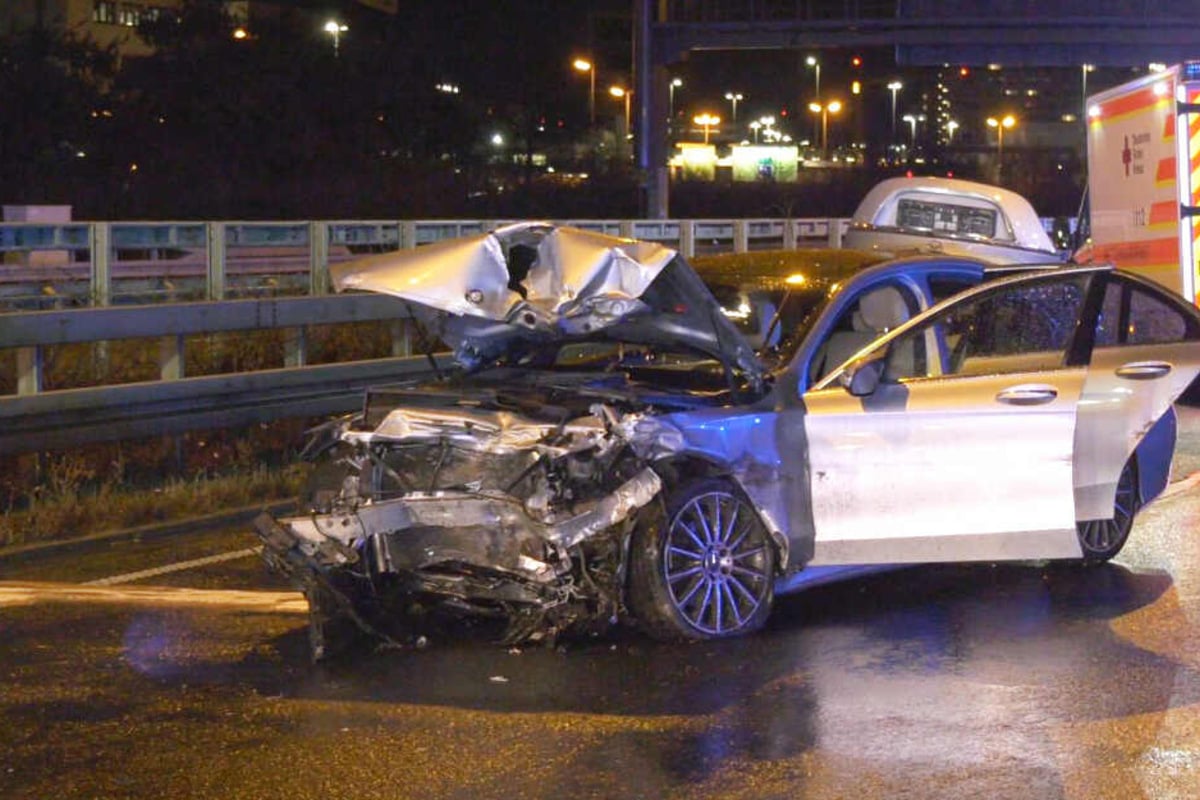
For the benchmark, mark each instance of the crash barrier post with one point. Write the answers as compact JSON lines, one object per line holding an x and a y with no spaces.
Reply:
{"x":687,"y":237}
{"x":100,"y":253}
{"x":215,"y":260}
{"x":741,"y":236}
{"x":834,"y":233}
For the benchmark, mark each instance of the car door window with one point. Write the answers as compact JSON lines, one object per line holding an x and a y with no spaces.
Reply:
{"x":1134,"y":315}
{"x":944,"y":286}
{"x":861,"y":322}
{"x":1025,"y":327}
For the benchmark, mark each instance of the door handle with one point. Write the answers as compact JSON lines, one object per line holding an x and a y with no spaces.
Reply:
{"x":1143,"y":370}
{"x":1028,"y":394}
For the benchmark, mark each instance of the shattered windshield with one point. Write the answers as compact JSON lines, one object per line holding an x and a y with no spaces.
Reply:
{"x":773,"y":298}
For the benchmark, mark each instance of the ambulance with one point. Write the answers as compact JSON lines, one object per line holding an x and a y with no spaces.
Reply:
{"x":1143,"y":153}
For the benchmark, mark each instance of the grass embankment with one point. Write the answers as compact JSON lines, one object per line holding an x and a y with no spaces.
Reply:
{"x":95,"y":488}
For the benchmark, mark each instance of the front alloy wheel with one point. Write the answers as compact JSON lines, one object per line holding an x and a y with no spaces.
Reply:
{"x":710,"y":572}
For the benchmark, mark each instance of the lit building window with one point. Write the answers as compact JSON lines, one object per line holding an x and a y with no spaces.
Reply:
{"x":129,"y":15}
{"x":104,"y":11}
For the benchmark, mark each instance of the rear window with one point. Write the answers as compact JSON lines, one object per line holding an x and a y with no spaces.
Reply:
{"x":946,"y":218}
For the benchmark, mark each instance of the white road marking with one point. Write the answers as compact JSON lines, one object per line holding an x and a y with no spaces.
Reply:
{"x":1181,"y":486}
{"x":178,"y":566}
{"x":20,"y":593}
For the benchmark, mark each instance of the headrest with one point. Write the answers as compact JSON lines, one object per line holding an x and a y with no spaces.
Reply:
{"x":883,"y":308}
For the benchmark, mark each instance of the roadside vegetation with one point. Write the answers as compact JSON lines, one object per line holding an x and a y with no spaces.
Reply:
{"x":117,"y":485}
{"x":45,"y":496}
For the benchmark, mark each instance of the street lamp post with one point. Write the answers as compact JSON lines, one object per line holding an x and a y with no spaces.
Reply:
{"x":707,"y":121}
{"x":755,"y":126}
{"x":832,"y":107}
{"x":816,"y":65}
{"x":951,"y":127}
{"x":912,"y":123}
{"x":584,"y":65}
{"x":733,"y":97}
{"x":1084,"y":69}
{"x":1007,"y":121}
{"x":671,"y":87}
{"x":620,"y":93}
{"x":335,"y":29}
{"x":894,"y":87}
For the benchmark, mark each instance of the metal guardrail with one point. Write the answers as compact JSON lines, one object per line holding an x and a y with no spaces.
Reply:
{"x":102,"y":263}
{"x":65,"y":419}
{"x":38,"y":420}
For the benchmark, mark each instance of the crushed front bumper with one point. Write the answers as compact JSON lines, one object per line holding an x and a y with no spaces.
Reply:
{"x":478,"y":554}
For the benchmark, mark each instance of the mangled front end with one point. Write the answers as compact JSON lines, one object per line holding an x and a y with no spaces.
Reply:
{"x":475,"y":512}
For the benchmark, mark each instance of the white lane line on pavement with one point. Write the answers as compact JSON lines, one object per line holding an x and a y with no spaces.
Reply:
{"x":178,"y":566}
{"x":1181,"y":486}
{"x":23,"y":593}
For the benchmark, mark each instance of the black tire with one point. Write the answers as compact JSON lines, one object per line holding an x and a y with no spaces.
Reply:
{"x":705,"y":569}
{"x":1101,"y":539}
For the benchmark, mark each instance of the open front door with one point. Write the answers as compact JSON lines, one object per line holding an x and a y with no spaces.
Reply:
{"x":964,"y":450}
{"x":1146,"y":354}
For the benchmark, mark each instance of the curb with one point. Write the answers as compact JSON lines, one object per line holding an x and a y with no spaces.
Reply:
{"x":154,"y":530}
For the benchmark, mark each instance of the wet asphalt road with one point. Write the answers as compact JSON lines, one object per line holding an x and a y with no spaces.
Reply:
{"x":1011,"y":681}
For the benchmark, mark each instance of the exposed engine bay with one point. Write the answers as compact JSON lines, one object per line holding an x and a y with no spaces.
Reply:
{"x":516,"y":505}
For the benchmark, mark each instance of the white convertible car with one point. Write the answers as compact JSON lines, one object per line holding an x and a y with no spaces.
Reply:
{"x":610,"y":446}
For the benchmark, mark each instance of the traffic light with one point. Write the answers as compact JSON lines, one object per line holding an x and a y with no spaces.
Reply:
{"x":856,"y":61}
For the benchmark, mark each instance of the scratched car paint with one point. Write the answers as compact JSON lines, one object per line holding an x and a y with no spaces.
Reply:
{"x":610,"y":445}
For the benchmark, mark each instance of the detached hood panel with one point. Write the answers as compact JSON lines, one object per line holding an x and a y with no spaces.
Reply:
{"x":528,"y":285}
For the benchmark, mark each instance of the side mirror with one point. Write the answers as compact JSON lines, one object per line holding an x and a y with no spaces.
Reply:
{"x":862,"y":377}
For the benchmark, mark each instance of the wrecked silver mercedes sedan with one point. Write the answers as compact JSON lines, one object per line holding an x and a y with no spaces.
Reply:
{"x":610,"y":446}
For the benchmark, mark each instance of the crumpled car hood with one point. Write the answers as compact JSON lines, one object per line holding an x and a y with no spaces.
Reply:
{"x":530,"y":284}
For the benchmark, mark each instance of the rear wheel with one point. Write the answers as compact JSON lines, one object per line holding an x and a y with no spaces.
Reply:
{"x":1102,"y":539}
{"x":706,"y":570}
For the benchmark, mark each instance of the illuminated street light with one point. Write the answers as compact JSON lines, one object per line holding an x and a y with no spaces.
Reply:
{"x":755,"y":126}
{"x":733,"y":97}
{"x":832,"y":107}
{"x":816,"y":65}
{"x":951,"y":127}
{"x":894,"y":87}
{"x":671,"y":87}
{"x":240,"y":33}
{"x":912,"y":122}
{"x":1006,"y":122}
{"x":768,"y":130}
{"x":583,"y":65}
{"x":335,"y":29}
{"x":1084,"y":69}
{"x":707,"y":121}
{"x":620,"y":93}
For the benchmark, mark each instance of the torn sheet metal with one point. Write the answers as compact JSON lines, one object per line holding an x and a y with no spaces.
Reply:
{"x":573,"y":273}
{"x":515,"y":294}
